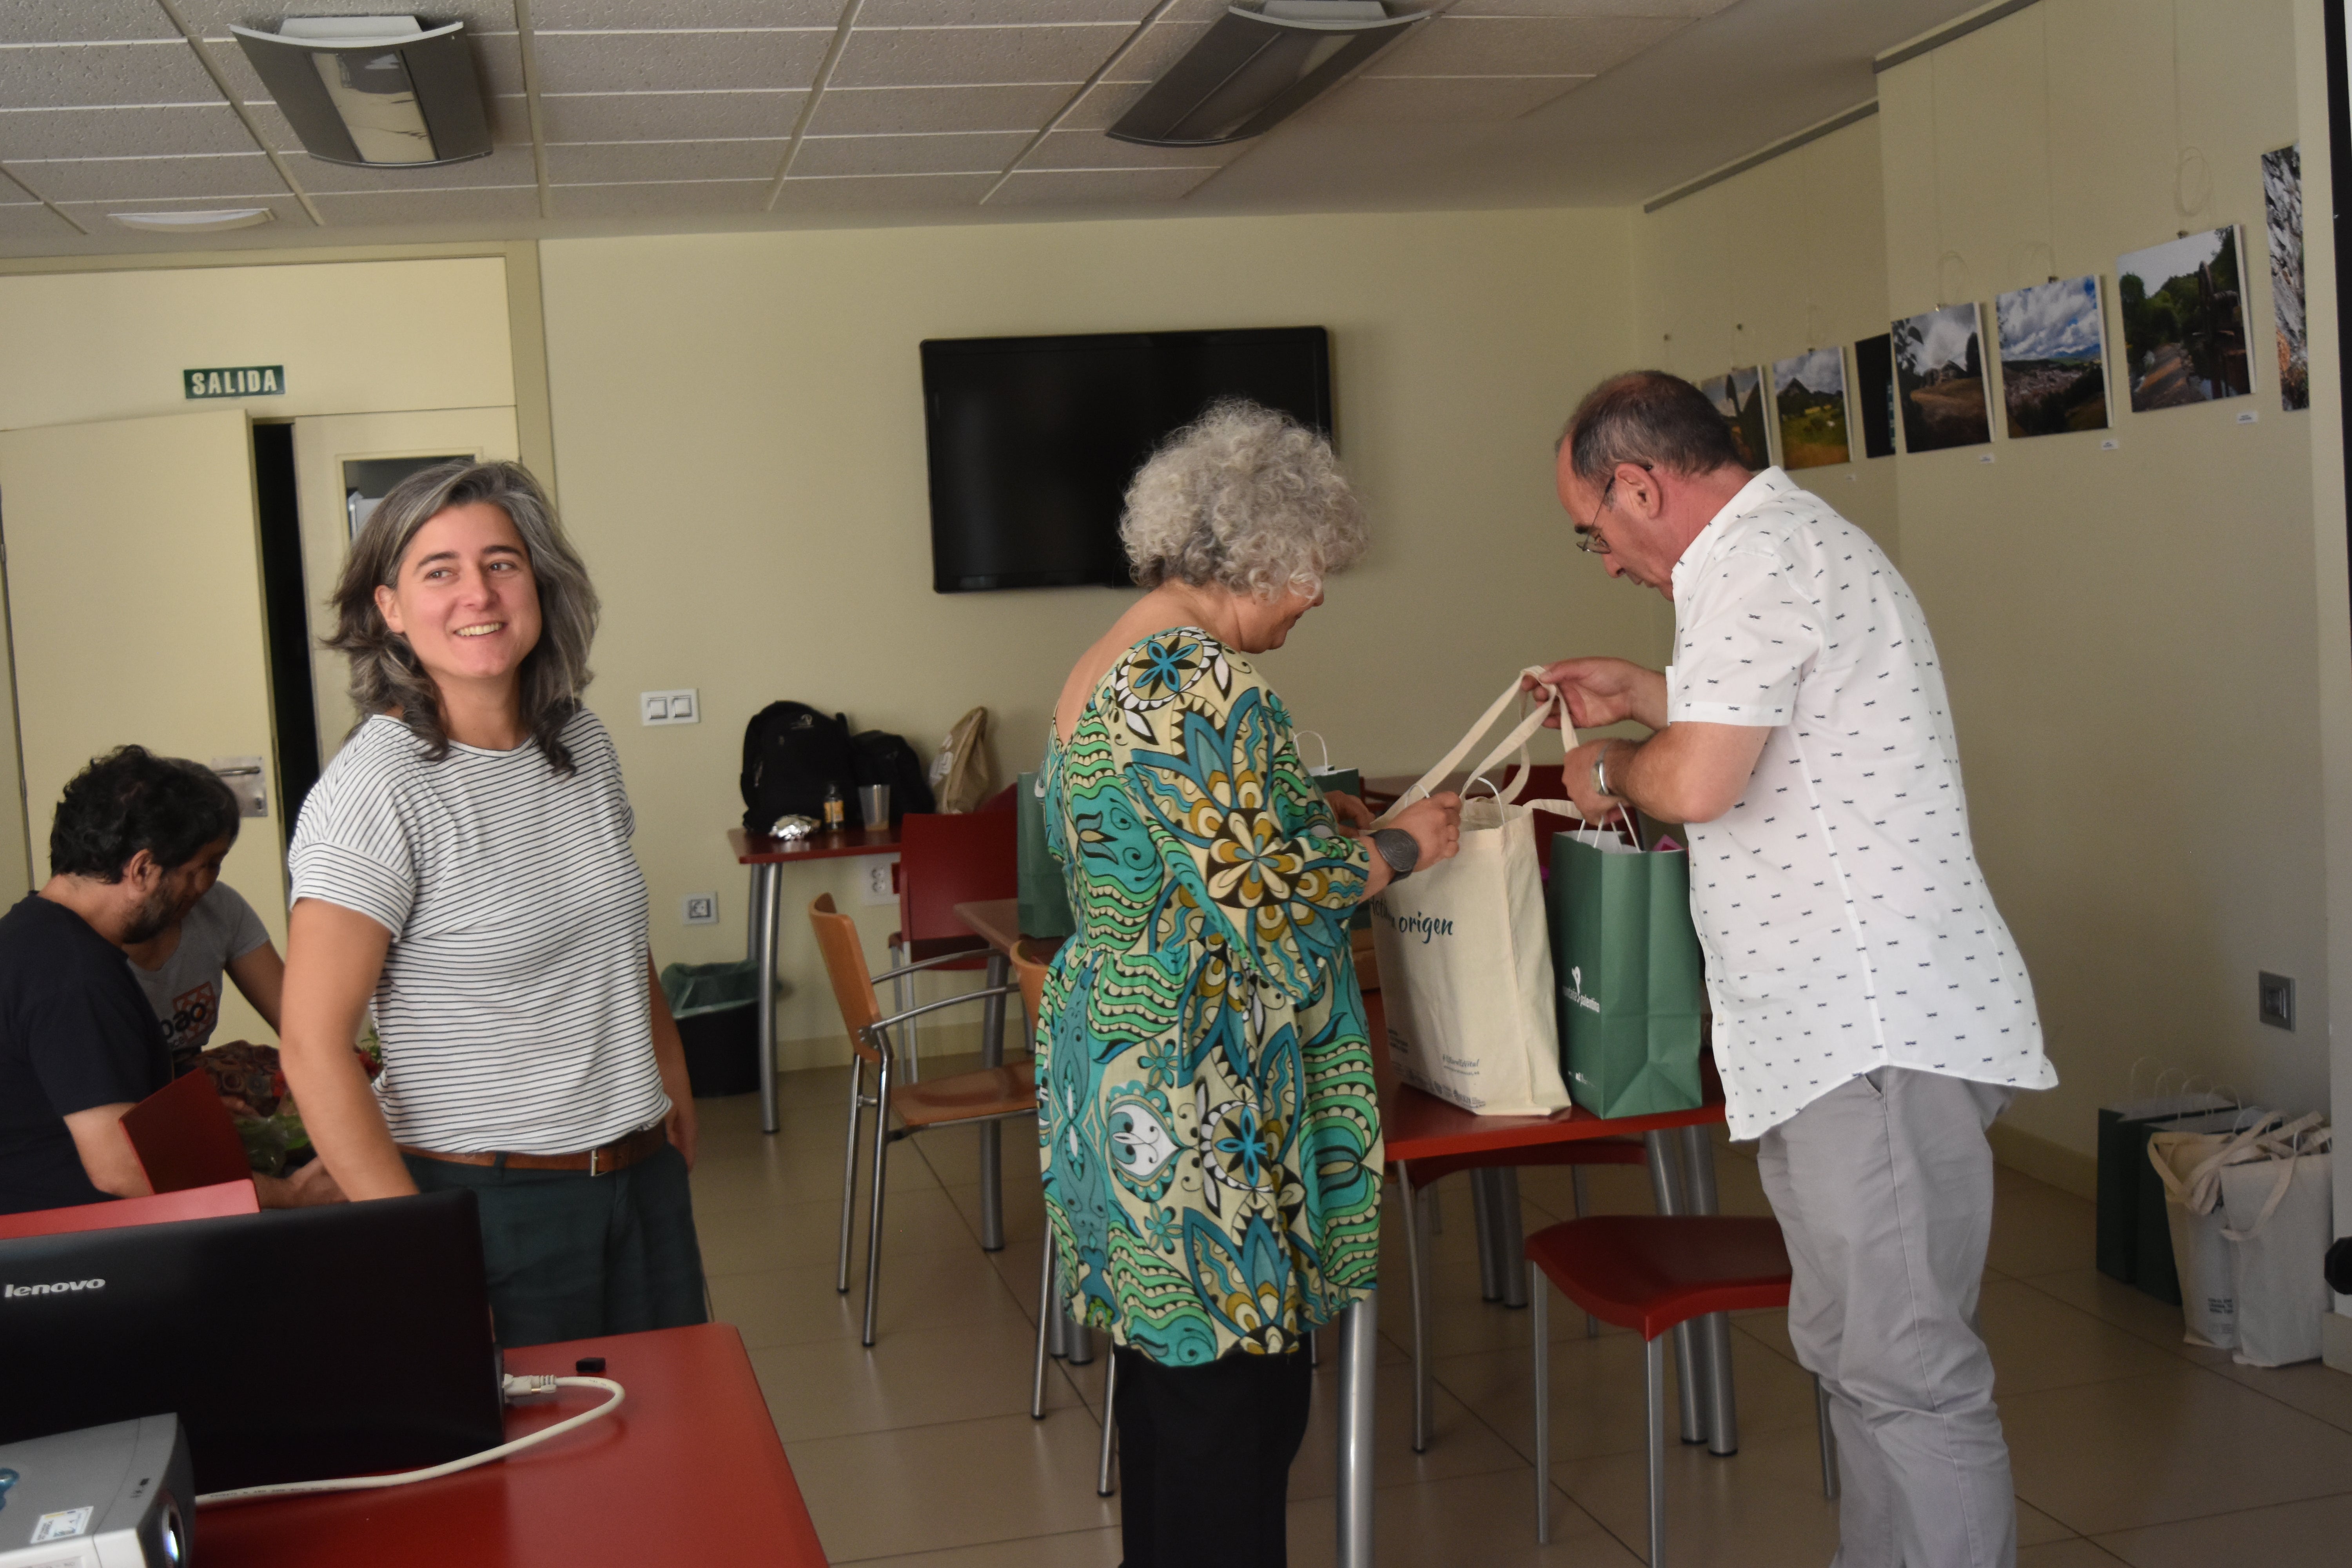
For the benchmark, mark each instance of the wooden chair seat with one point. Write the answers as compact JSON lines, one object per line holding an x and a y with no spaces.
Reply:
{"x":1007,"y":1090}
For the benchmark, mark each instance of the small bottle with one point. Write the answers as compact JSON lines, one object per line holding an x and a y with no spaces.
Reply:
{"x":836,"y":810}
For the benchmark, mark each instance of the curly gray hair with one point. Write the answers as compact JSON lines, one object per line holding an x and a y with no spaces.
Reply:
{"x":1246,"y":499}
{"x":387,"y":677}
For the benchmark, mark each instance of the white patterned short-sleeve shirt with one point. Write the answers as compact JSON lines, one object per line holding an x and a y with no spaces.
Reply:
{"x":1845,"y":924}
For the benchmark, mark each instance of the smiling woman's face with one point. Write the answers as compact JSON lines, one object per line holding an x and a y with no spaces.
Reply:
{"x":464,"y":597}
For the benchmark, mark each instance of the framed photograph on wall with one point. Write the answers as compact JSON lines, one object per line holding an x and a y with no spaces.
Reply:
{"x":2282,"y":211}
{"x":1738,"y":396}
{"x":1940,"y":379}
{"x":1809,"y":400}
{"x":1873,"y":393}
{"x":2184,"y":311}
{"x":2053,"y":371}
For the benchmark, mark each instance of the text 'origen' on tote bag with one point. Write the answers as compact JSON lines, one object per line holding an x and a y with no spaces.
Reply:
{"x":1464,"y":957}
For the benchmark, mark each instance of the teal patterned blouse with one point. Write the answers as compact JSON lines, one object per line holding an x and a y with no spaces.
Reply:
{"x":1209,"y":1126}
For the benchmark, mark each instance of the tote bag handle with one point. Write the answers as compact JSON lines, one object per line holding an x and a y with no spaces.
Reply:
{"x":1517,"y":740}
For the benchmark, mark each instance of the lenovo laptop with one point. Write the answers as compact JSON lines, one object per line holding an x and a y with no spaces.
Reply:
{"x":295,"y":1344}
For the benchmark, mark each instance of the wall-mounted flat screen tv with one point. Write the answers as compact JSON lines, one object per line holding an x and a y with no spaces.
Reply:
{"x":1033,"y":440}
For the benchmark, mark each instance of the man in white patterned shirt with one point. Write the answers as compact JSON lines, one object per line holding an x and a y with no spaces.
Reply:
{"x":1872,"y":1014}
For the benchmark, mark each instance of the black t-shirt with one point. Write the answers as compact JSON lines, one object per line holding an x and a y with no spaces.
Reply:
{"x":75,"y":1032}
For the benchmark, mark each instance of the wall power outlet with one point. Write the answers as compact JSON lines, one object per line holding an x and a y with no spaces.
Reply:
{"x":699,"y":909}
{"x":878,"y":879}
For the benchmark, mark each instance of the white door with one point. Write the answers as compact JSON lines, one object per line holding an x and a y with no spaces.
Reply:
{"x":135,"y":614}
{"x":331,"y":453}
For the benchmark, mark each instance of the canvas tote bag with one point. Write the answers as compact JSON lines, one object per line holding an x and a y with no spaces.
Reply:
{"x":2189,"y":1165}
{"x":2282,"y":1218}
{"x":1464,"y":957}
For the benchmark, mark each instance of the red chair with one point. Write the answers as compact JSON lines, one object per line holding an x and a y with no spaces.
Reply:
{"x":1649,"y":1273}
{"x":946,"y":861}
{"x":189,"y":1203}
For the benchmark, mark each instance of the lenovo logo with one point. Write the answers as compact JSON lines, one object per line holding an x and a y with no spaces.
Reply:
{"x":63,"y":1286}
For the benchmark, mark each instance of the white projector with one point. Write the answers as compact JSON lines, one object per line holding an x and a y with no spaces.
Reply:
{"x":105,"y":1497}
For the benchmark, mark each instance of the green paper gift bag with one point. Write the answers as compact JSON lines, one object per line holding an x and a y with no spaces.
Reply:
{"x":1626,"y":960}
{"x":1045,"y":897}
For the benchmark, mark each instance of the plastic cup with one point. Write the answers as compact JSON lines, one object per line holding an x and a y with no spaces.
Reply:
{"x":874,"y":805}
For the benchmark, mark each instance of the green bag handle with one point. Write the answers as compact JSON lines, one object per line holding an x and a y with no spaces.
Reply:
{"x":1515,"y":740}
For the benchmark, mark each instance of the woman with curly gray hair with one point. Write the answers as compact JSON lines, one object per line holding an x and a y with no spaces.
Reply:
{"x":1210,"y":1131}
{"x":462,"y":870}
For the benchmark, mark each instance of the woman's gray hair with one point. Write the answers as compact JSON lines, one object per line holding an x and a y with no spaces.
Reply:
{"x":1245,"y":498}
{"x":387,"y":677}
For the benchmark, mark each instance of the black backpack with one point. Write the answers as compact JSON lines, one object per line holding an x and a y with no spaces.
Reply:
{"x":886,"y":759}
{"x":792,"y":755}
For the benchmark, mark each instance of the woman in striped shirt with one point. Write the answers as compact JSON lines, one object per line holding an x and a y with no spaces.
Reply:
{"x":462,"y":870}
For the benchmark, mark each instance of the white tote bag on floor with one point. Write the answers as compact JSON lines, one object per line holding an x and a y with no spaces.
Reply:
{"x":2282,"y":1218}
{"x":1464,"y":956}
{"x":2190,"y":1166}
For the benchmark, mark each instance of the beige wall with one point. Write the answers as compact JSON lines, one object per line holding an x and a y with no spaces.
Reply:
{"x":1784,"y":259}
{"x":2132,"y":646}
{"x":741,"y":428}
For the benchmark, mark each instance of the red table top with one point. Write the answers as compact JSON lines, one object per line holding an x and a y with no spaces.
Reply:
{"x":758,"y":849}
{"x":688,"y":1470}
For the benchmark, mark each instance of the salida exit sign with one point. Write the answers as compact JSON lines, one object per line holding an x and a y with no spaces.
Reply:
{"x":235,"y":381}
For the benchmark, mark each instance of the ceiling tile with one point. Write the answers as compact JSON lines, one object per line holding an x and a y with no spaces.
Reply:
{"x":1103,"y":104}
{"x":509,"y":118}
{"x":1437,"y":100}
{"x":111,"y":179}
{"x":51,"y":22}
{"x":1161,"y":47}
{"x":120,"y":132}
{"x":20,"y":221}
{"x":212,"y":19}
{"x":682,"y":15}
{"x":658,"y":199}
{"x":1000,"y":13}
{"x":92,"y":215}
{"x":673,"y":62}
{"x":360,"y":209}
{"x":1093,"y":149}
{"x":102,"y":73}
{"x":504,"y":166}
{"x":883,"y":193}
{"x":938,"y":57}
{"x":1110,"y":187}
{"x":881,"y":110}
{"x":611,"y":162}
{"x":954,"y":153}
{"x":668,"y":116}
{"x":1504,"y":45}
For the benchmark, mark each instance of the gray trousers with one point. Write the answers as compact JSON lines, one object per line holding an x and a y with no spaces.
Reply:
{"x":1884,"y":1190}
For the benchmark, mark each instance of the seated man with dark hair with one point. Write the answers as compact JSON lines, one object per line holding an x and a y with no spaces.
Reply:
{"x":136,"y":841}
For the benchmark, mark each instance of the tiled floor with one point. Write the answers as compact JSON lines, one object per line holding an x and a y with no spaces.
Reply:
{"x":2128,"y":1445}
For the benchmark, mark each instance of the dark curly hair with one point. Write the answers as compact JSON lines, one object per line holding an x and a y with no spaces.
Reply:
{"x":131,"y":799}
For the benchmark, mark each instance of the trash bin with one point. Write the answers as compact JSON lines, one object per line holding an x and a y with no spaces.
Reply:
{"x":717,"y":1006}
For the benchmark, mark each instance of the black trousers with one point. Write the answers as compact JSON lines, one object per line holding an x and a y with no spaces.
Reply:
{"x":1205,"y":1458}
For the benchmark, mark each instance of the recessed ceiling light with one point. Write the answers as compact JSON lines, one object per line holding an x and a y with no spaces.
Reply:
{"x":378,"y":91}
{"x":196,"y":222}
{"x":1254,"y":69}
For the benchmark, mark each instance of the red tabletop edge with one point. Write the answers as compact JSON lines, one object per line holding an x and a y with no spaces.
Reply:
{"x":758,"y":849}
{"x":688,"y":1470}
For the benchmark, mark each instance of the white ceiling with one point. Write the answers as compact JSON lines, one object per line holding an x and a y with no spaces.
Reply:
{"x":645,"y":115}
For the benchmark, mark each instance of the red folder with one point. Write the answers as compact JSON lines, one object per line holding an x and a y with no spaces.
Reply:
{"x":184,"y":1138}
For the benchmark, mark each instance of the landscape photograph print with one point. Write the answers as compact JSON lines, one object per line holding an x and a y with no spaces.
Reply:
{"x":2184,"y":310}
{"x":1738,"y":396}
{"x":2283,"y":204}
{"x":1809,"y":398}
{"x":2053,"y":374}
{"x":1939,"y":380}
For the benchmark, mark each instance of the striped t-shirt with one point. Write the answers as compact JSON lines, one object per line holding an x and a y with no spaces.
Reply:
{"x":513,"y":1009}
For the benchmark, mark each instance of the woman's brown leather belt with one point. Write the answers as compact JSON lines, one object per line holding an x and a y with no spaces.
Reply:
{"x":619,"y":1155}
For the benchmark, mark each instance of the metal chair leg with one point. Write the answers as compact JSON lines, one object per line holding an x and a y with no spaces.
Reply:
{"x":1690,"y":1366}
{"x":1714,"y":1331}
{"x":1482,"y":1225}
{"x":1580,"y":1178}
{"x":1045,"y":1318}
{"x":1539,"y":1313}
{"x":902,"y":996}
{"x":849,"y":1165}
{"x":1828,"y":1439}
{"x":1653,"y":1377}
{"x":873,"y":1210}
{"x":1417,"y":1274}
{"x":1103,"y":1486}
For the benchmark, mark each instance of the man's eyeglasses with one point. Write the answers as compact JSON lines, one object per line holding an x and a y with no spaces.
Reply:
{"x":1588,"y":538}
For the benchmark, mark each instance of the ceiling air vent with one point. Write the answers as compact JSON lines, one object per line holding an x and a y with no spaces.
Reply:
{"x":1258,"y":66}
{"x":379,"y":91}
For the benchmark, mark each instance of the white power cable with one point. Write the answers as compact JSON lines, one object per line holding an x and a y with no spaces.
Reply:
{"x":516,"y":1387}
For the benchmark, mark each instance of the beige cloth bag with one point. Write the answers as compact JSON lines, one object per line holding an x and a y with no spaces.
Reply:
{"x":960,"y":776}
{"x":1464,"y":954}
{"x":2189,"y":1165}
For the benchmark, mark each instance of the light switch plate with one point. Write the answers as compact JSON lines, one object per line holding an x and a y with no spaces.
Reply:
{"x":2274,"y":1000}
{"x":681,"y":707}
{"x":699,"y":909}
